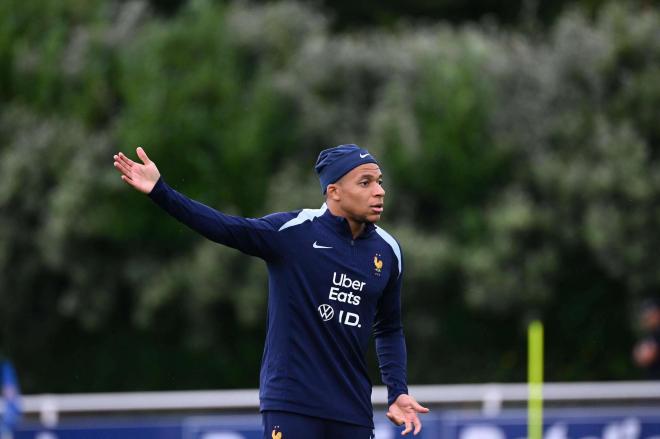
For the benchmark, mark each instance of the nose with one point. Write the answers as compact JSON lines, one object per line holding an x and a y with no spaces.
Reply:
{"x":379,"y":192}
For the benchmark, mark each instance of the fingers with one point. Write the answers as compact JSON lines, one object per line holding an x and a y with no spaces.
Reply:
{"x":412,"y":424}
{"x":418,"y":407}
{"x":126,"y":172}
{"x":408,"y":428}
{"x":122,"y":167}
{"x":128,"y":181}
{"x":418,"y":425}
{"x":128,"y":162}
{"x":143,"y":155}
{"x":395,"y":419}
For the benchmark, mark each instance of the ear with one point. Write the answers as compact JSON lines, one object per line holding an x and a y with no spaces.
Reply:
{"x":333,"y":192}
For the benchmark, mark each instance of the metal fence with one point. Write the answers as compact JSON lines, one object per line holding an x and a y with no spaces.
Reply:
{"x":490,"y":399}
{"x":587,"y":410}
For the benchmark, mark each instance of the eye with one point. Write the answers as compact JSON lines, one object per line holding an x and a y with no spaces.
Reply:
{"x":381,"y":182}
{"x":364,"y":183}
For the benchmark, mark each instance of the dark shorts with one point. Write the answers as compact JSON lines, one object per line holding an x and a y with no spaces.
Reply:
{"x":294,"y":426}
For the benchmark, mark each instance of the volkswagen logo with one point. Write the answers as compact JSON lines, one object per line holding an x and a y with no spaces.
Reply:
{"x":326,"y":312}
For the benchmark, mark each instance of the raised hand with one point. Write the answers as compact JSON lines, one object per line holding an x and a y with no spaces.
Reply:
{"x":142,"y":177}
{"x":404,"y":411}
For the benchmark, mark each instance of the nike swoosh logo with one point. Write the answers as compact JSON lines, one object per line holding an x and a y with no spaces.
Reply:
{"x":363,"y":155}
{"x":315,"y":245}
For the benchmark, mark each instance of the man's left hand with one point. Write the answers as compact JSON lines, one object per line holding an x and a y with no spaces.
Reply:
{"x":404,"y":411}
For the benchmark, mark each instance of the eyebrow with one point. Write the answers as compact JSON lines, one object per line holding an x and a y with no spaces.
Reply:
{"x":370,"y":177}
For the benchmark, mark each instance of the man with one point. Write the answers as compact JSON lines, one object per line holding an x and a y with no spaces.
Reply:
{"x":647,"y":351}
{"x":334,"y":280}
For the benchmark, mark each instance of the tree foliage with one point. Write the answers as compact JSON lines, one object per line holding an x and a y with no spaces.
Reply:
{"x":521,"y":170}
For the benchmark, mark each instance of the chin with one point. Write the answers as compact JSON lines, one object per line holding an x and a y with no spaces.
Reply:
{"x":373,"y":218}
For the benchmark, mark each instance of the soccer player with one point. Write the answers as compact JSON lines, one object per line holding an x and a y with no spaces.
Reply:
{"x":334,"y":280}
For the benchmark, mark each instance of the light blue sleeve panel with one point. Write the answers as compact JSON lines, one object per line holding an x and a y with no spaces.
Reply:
{"x":304,"y":215}
{"x":395,"y":246}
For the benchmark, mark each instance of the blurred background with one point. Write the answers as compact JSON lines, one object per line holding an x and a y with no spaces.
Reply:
{"x":520,"y":142}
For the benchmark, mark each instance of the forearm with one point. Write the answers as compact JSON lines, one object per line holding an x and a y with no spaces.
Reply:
{"x":237,"y":232}
{"x":391,"y":351}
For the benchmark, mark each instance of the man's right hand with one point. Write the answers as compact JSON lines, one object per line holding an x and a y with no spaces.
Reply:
{"x":142,"y":177}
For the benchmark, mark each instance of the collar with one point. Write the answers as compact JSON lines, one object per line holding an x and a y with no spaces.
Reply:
{"x":341,"y":226}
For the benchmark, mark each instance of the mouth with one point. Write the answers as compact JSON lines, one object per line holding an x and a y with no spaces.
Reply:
{"x":377,"y":208}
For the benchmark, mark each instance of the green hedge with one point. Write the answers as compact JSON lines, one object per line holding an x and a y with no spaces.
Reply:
{"x":521,"y":170}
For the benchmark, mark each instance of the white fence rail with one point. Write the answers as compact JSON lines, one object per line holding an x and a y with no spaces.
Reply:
{"x":490,"y":397}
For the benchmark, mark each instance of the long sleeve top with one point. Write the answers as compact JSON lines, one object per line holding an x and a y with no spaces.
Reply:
{"x":328,"y":295}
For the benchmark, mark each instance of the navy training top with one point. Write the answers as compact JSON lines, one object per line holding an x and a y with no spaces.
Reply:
{"x":328,"y":293}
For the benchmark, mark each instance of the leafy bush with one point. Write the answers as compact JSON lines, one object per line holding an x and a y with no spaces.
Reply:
{"x":521,"y":171}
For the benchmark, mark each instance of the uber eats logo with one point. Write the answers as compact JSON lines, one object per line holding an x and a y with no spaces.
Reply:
{"x":345,"y":282}
{"x":344,"y":291}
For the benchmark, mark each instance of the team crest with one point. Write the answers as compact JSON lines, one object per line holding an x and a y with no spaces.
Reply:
{"x":378,"y":265}
{"x":276,"y":434}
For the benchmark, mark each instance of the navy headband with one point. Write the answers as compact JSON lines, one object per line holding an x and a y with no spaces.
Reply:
{"x":334,"y":163}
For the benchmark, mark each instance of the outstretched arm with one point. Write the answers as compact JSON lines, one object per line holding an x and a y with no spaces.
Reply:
{"x":252,"y":236}
{"x":142,"y":177}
